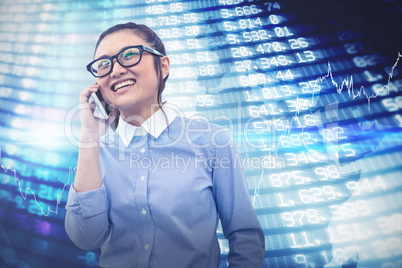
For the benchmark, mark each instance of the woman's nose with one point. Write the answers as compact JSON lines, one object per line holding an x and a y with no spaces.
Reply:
{"x":117,"y":69}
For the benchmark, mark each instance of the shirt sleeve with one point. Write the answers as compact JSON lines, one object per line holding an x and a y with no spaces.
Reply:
{"x":239,"y":221}
{"x":86,"y":221}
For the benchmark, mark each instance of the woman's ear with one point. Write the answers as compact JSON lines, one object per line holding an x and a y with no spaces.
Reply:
{"x":165,"y":62}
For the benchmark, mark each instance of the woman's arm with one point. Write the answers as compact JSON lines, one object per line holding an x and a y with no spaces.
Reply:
{"x":86,"y":221}
{"x":239,"y":221}
{"x":88,"y":175}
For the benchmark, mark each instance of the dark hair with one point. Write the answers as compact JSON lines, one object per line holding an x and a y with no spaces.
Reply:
{"x":154,"y":42}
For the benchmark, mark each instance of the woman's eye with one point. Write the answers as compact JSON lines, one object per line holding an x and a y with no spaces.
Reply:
{"x":129,"y":54}
{"x":103,"y":64}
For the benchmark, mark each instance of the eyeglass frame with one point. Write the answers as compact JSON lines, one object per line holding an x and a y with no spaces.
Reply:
{"x":141,"y":48}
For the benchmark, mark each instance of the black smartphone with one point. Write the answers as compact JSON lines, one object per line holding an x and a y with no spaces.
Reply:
{"x":103,"y":107}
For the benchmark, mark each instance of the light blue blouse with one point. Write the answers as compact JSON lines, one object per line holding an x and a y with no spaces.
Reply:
{"x":165,"y":187}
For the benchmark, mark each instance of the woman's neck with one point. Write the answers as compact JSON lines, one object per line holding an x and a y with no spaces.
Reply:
{"x":136,"y":118}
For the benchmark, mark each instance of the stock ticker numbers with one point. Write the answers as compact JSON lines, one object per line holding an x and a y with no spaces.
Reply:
{"x":311,"y":96}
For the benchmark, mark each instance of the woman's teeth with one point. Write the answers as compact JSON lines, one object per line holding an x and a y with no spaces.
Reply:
{"x":123,"y":84}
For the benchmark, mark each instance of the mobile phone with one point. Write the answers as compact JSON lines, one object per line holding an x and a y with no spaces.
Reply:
{"x":103,"y":108}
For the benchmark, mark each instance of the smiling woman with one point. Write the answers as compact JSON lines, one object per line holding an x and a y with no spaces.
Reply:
{"x":117,"y":81}
{"x":126,"y":199}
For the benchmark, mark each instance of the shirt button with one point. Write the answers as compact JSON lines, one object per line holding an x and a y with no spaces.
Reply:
{"x":142,"y":150}
{"x":142,"y":178}
{"x":146,"y":246}
{"x":143,"y":212}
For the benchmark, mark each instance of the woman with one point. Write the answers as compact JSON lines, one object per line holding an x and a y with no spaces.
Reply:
{"x":151,"y":192}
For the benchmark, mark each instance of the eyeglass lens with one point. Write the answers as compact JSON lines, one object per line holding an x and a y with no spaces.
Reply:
{"x":127,"y":57}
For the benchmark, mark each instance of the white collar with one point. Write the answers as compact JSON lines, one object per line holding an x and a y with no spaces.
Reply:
{"x":154,"y":125}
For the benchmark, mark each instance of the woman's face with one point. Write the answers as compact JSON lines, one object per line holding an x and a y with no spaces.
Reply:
{"x":139,"y":96}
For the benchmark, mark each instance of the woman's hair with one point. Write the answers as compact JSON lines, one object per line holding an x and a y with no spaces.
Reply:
{"x":154,"y":42}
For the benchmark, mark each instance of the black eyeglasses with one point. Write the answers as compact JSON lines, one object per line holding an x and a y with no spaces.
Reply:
{"x":128,"y":57}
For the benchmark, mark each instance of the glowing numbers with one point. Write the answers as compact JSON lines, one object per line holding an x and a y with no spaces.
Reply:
{"x":176,"y":7}
{"x":182,"y":72}
{"x":269,"y":47}
{"x":390,"y":224}
{"x":288,"y":75}
{"x":335,"y":133}
{"x":250,"y":23}
{"x":206,"y":70}
{"x":253,"y":80}
{"x":350,"y":210}
{"x":392,"y":104}
{"x":271,"y":6}
{"x":193,"y":43}
{"x":205,"y":100}
{"x":270,"y":93}
{"x":274,"y":61}
{"x":265,"y":109}
{"x":287,"y":178}
{"x":169,"y":33}
{"x":306,"y":56}
{"x":243,"y":66}
{"x":309,"y":87}
{"x":282,"y":31}
{"x":295,"y":140}
{"x":365,"y":186}
{"x":328,"y":172}
{"x":238,"y":52}
{"x":298,"y":43}
{"x":192,"y":30}
{"x":159,"y":9}
{"x":367,"y":60}
{"x":298,"y":105}
{"x":302,"y":240}
{"x":246,"y":10}
{"x":316,"y":194}
{"x":232,"y":39}
{"x":255,"y":35}
{"x":203,"y":56}
{"x":300,"y":217}
{"x":273,"y":19}
{"x":190,"y":18}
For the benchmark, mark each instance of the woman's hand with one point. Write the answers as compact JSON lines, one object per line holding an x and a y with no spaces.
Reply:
{"x":92,"y":128}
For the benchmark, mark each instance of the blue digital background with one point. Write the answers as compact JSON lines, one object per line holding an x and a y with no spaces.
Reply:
{"x":312,"y":90}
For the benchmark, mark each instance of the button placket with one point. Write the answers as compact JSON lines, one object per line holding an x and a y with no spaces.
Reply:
{"x":142,"y":204}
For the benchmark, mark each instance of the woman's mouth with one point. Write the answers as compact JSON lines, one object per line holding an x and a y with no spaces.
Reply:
{"x":124,"y":84}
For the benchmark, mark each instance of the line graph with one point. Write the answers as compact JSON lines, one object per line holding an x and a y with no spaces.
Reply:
{"x":25,"y":193}
{"x":348,"y":83}
{"x":303,"y":104}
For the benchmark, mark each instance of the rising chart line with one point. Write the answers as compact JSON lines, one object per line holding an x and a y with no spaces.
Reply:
{"x":348,"y":83}
{"x":28,"y":189}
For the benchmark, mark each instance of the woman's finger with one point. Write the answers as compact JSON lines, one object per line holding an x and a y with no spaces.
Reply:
{"x":92,"y":106}
{"x":86,"y":93}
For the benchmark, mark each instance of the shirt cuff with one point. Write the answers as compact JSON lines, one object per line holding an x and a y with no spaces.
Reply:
{"x":89,"y":203}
